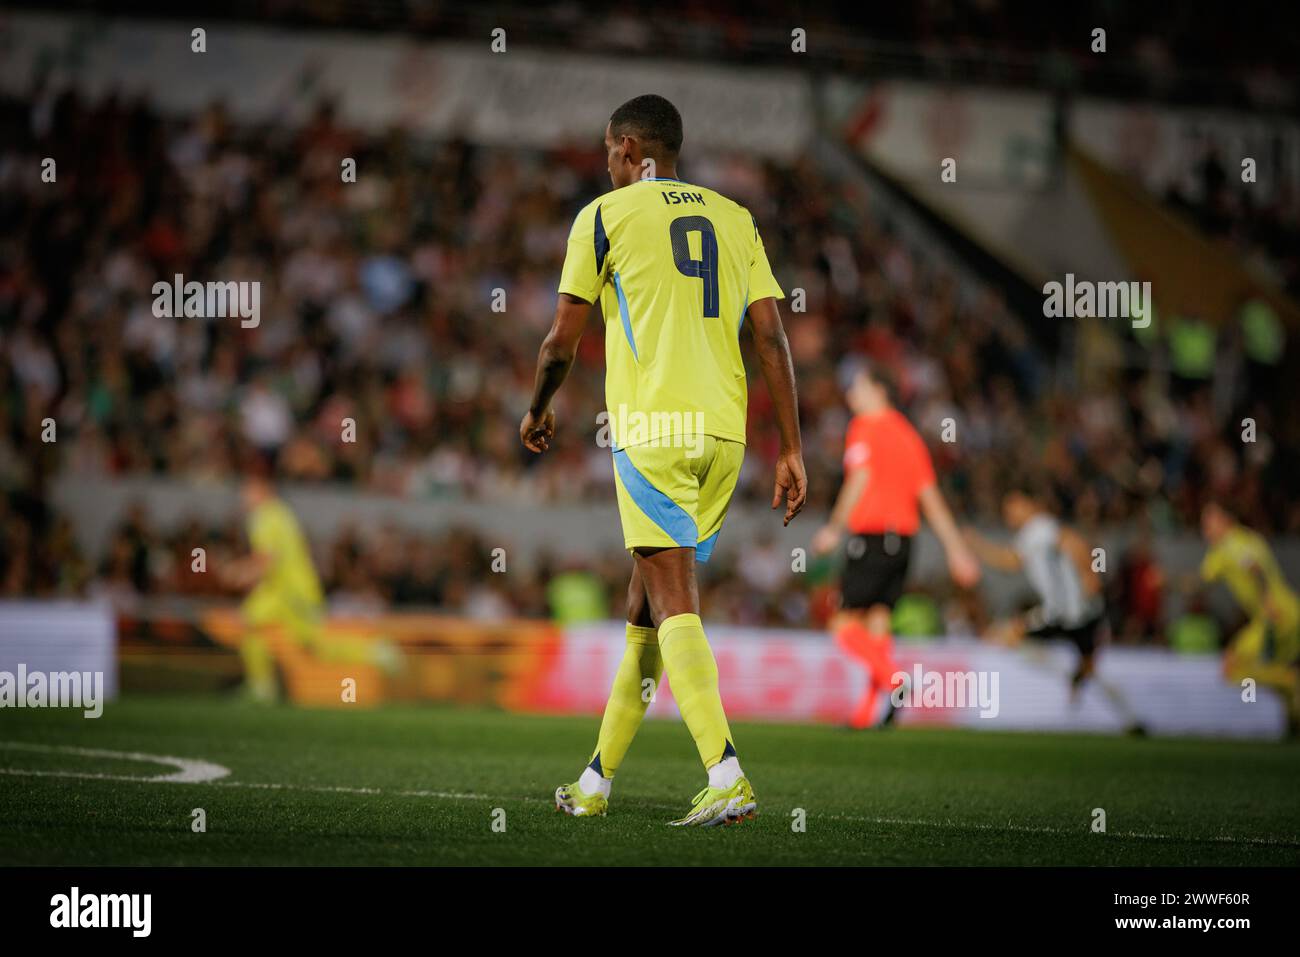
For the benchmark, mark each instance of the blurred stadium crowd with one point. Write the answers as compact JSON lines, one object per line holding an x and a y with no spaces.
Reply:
{"x":1266,"y":234}
{"x":367,"y":570}
{"x":1193,"y":52}
{"x":376,"y":307}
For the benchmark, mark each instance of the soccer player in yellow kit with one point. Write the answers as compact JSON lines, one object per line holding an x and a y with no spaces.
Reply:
{"x":677,"y":269}
{"x":285,"y":593}
{"x":1267,"y":648}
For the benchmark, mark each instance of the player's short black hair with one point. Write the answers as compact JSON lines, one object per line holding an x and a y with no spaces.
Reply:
{"x":653,"y":119}
{"x":1022,"y":490}
{"x":1033,"y":486}
{"x":1222,"y":504}
{"x":875,"y":371}
{"x":259,"y":464}
{"x":883,"y":375}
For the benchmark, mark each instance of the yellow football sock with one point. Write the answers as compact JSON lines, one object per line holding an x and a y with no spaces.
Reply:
{"x":259,"y":666}
{"x":634,"y":686}
{"x":693,"y":674}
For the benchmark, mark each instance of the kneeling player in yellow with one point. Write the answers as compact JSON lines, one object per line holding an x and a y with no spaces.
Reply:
{"x":1267,"y":648}
{"x":677,"y":269}
{"x":285,"y":593}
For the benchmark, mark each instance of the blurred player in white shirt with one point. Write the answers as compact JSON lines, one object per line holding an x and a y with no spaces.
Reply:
{"x":1058,"y":564}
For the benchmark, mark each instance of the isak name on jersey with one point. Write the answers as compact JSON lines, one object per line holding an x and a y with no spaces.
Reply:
{"x":679,"y":197}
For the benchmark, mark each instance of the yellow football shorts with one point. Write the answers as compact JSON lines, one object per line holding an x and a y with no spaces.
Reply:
{"x":267,"y":607}
{"x":676,"y":496}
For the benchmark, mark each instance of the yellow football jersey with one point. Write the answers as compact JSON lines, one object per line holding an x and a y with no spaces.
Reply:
{"x":675,"y":268}
{"x":274,"y":531}
{"x":1242,"y":558}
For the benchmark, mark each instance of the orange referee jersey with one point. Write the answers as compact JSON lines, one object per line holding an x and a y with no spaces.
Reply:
{"x":899,"y":469}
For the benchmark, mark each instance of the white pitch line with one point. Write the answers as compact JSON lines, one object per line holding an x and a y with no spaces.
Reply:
{"x":252,"y":785}
{"x":192,"y":771}
{"x":188,"y":770}
{"x":342,"y":789}
{"x":1065,"y":832}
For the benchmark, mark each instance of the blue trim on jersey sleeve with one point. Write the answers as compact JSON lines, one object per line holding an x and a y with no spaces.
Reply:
{"x":601,"y":241}
{"x":627,"y":318}
{"x":658,"y":507}
{"x":704,"y":550}
{"x":744,"y":308}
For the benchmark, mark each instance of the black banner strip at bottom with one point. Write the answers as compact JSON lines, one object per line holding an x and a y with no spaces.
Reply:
{"x":328,"y":904}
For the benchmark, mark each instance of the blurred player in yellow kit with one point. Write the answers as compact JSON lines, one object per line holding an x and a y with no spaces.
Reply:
{"x":1267,"y":648}
{"x":285,"y":594}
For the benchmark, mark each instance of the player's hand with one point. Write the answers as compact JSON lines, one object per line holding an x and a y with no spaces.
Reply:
{"x":827,"y":539}
{"x":791,"y":484}
{"x":1009,"y":633}
{"x":963,"y":567}
{"x":536,"y":431}
{"x":239,"y":574}
{"x":228,"y":575}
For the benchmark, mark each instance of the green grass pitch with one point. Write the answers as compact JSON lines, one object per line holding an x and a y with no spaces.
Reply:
{"x":411,"y":785}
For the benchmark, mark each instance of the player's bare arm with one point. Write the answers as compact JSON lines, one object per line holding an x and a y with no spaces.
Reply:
{"x":829,"y":535}
{"x":554,"y":360}
{"x":244,"y":573}
{"x":1001,"y":557}
{"x":778,"y":372}
{"x":962,"y":564}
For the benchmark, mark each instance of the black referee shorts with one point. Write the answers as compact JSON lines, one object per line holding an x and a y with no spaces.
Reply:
{"x":1086,"y":637}
{"x":875,"y":568}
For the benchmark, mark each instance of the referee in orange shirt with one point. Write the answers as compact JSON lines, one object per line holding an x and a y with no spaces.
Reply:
{"x":889,"y":483}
